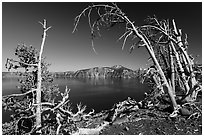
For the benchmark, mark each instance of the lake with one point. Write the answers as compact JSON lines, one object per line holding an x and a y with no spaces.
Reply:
{"x":99,"y":94}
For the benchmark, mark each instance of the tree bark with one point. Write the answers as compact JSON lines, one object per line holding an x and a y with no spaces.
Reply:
{"x":158,"y":83}
{"x":172,"y":70}
{"x":133,"y":30}
{"x":180,"y":68}
{"x":181,"y":46}
{"x":39,"y":83}
{"x":151,"y":52}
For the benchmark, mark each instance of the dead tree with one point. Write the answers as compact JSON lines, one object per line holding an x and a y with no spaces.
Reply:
{"x":180,"y":61}
{"x":112,"y":15}
{"x":37,"y":106}
{"x":157,"y":37}
{"x":39,"y":81}
{"x":25,"y":62}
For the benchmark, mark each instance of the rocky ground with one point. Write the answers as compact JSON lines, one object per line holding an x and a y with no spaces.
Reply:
{"x":151,"y":124}
{"x":148,"y":121}
{"x":131,"y":118}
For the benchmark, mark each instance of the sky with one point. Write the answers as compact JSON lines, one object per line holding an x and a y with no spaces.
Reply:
{"x":67,"y":51}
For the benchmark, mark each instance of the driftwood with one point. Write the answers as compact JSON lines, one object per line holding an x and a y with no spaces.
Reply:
{"x":118,"y":110}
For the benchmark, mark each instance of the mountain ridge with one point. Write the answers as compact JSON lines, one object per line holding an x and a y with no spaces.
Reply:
{"x":116,"y":71}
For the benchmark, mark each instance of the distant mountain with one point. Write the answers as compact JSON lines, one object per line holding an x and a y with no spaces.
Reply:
{"x":63,"y":74}
{"x":116,"y":71}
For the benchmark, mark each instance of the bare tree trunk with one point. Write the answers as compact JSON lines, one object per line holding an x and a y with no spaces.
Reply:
{"x":158,"y":83}
{"x":181,"y":46}
{"x":180,"y":68}
{"x":185,"y":64}
{"x":172,"y":70}
{"x":151,"y":52}
{"x":131,"y":30}
{"x":165,"y":82}
{"x":39,"y":83}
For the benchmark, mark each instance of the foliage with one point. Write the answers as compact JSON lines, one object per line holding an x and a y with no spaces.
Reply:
{"x":55,"y":109}
{"x":22,"y":106}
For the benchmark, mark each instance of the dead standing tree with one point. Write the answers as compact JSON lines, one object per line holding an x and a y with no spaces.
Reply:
{"x":179,"y":64}
{"x":39,"y":80}
{"x":26,"y":62}
{"x":148,"y":36}
{"x":36,"y":111}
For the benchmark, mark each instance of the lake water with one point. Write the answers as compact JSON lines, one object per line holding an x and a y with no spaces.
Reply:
{"x":99,"y":94}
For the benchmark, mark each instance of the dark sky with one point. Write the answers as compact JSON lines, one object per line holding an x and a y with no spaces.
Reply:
{"x":67,"y":51}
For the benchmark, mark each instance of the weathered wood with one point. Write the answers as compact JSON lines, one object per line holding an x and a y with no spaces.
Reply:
{"x":151,"y":52}
{"x":180,"y":68}
{"x":39,"y":81}
{"x":172,"y":70}
{"x":181,"y":46}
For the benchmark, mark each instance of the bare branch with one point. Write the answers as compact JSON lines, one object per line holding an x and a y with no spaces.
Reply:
{"x":17,"y":95}
{"x":186,"y":41}
{"x":131,"y":48}
{"x":98,"y":11}
{"x":59,"y":123}
{"x":86,"y":9}
{"x":161,"y":30}
{"x":46,"y":104}
{"x":175,"y":29}
{"x":80,"y":108}
{"x":66,"y":111}
{"x":20,"y":62}
{"x":48,"y":28}
{"x":157,"y":22}
{"x":123,"y":35}
{"x":64,"y":99}
{"x":101,"y":17}
{"x":126,"y":39}
{"x":138,"y":44}
{"x":86,"y":116}
{"x":89,"y":18}
{"x":92,"y":44}
{"x":141,"y":45}
{"x":44,"y":23}
{"x":40,"y":23}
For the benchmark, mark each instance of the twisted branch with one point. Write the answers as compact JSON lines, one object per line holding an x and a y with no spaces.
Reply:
{"x":77,"y":19}
{"x":17,"y":95}
{"x":20,"y":62}
{"x":64,"y":99}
